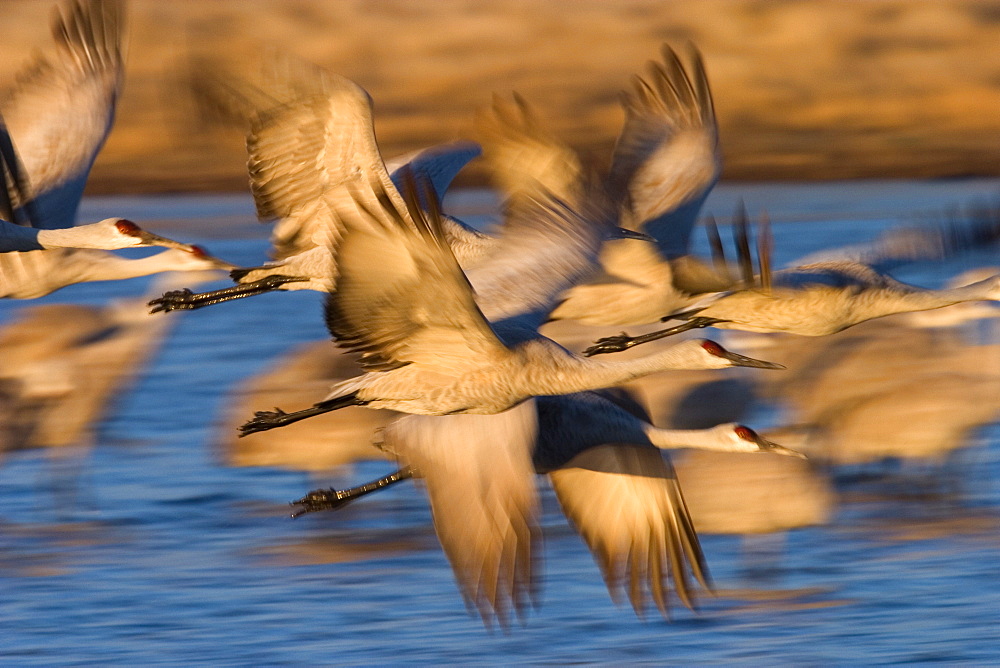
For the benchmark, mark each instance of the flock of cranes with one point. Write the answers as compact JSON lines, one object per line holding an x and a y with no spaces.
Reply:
{"x":443,"y":320}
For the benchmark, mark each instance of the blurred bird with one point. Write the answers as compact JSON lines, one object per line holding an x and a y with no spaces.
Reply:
{"x":58,"y":116}
{"x":731,"y":493}
{"x":311,"y":132}
{"x":825,"y":297}
{"x":435,"y":341}
{"x":603,"y":458}
{"x":64,"y":365}
{"x":924,"y":417}
{"x":665,"y":163}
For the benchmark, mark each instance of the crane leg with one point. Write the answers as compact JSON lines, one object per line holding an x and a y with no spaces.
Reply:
{"x":616,"y":344}
{"x":181,"y":300}
{"x":335,"y":499}
{"x":264,"y":420}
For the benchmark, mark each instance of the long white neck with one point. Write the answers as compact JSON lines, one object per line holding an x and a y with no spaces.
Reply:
{"x":701,"y":439}
{"x":576,"y":374}
{"x":926,"y":300}
{"x":112,"y":267}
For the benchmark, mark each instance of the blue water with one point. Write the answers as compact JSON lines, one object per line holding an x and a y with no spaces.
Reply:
{"x":169,"y":557}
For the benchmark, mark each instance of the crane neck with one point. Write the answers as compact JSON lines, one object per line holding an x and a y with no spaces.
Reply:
{"x":113,"y":267}
{"x":700,"y":439}
{"x":580,"y":374}
{"x":925,"y":300}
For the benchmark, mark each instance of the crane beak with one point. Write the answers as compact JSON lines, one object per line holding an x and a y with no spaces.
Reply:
{"x":622,"y":233}
{"x":742,"y":360}
{"x":774,"y":448}
{"x":156,"y":240}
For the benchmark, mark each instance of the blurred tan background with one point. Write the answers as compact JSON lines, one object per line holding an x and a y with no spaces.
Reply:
{"x":805,"y":89}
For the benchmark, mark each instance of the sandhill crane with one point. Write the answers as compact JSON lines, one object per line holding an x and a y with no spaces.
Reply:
{"x":603,"y":458}
{"x":318,"y":446}
{"x":665,"y":163}
{"x":818,"y":299}
{"x":427,"y":347}
{"x":58,"y":117}
{"x":66,"y":364}
{"x":311,"y":131}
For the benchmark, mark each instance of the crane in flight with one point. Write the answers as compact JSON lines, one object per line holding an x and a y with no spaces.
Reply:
{"x":58,"y":116}
{"x":827,"y":296}
{"x":605,"y":461}
{"x":437,"y":341}
{"x":311,"y":131}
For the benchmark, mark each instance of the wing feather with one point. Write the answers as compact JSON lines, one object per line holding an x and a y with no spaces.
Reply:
{"x":480,"y":481}
{"x":61,"y":109}
{"x":626,"y":504}
{"x":667,"y":156}
{"x":401,"y":297}
{"x":305,"y":153}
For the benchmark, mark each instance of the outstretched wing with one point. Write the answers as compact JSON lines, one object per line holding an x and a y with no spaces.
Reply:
{"x":303,"y":150}
{"x":555,"y":218}
{"x":400,"y":295}
{"x":61,"y":109}
{"x":626,"y":504}
{"x":524,"y":158}
{"x":667,"y":156}
{"x":480,"y":481}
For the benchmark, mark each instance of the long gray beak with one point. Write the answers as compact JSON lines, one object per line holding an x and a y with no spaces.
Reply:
{"x":622,"y":233}
{"x":774,"y":448}
{"x":742,"y":360}
{"x":157,"y":240}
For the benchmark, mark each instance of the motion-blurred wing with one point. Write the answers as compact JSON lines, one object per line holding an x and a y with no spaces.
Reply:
{"x":667,"y":157}
{"x":303,"y":151}
{"x":400,"y":296}
{"x":524,"y":158}
{"x":545,"y":247}
{"x":626,"y":504}
{"x":555,"y":219}
{"x":61,"y":109}
{"x":480,"y":481}
{"x":437,"y":165}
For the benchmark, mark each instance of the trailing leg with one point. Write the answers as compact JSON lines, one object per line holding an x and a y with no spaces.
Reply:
{"x":616,"y":344}
{"x":264,"y":420}
{"x":333,"y":499}
{"x":183,"y":300}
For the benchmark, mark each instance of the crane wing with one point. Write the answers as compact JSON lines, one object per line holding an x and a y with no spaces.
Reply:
{"x":479,"y":477}
{"x":400,"y":295}
{"x":302,"y":151}
{"x":667,"y":156}
{"x":555,"y":218}
{"x":438,"y":165}
{"x":524,"y":158}
{"x":61,"y":109}
{"x":626,"y":504}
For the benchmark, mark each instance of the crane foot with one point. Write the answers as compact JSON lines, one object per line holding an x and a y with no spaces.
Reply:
{"x":320,"y":499}
{"x":175,"y":300}
{"x":610,"y":344}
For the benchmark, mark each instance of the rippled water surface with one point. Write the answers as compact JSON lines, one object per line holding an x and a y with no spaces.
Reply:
{"x":164,"y":555}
